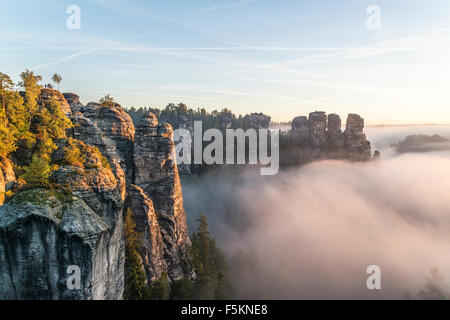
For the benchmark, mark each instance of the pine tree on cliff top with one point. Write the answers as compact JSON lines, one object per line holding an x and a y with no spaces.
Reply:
{"x":57,"y":79}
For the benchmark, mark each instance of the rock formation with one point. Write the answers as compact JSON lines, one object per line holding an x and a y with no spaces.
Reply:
{"x":116,"y":124}
{"x":320,"y":137}
{"x":85,"y":130}
{"x":300,"y":132}
{"x":355,"y":139}
{"x":157,"y":174}
{"x":335,"y":139}
{"x":48,"y":94}
{"x":423,"y":143}
{"x":43,"y":232}
{"x":74,"y":102}
{"x":318,"y":127}
{"x":152,"y":250}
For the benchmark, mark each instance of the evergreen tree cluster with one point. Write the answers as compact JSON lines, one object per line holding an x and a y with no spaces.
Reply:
{"x":31,"y":128}
{"x":209,"y":263}
{"x":179,"y":114}
{"x":136,"y":284}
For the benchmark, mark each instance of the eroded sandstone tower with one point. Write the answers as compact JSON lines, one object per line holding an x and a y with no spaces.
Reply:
{"x":43,"y":232}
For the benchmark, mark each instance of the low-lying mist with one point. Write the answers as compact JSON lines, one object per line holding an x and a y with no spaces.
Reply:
{"x":311,"y":232}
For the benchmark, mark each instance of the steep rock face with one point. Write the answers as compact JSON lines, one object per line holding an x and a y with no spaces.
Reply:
{"x":152,"y":250}
{"x":334,"y":132}
{"x":85,"y":130}
{"x":320,"y":137}
{"x":74,"y":102}
{"x":97,"y":187}
{"x":43,"y":232}
{"x":108,"y":128}
{"x":7,"y":178}
{"x":116,"y":124}
{"x":39,"y":241}
{"x":300,"y":132}
{"x":157,"y":174}
{"x":355,"y":139}
{"x":318,"y":127}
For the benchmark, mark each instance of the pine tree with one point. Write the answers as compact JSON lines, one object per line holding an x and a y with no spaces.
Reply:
{"x":209,"y":264}
{"x":181,"y":290}
{"x":57,"y":79}
{"x":202,"y":240}
{"x":6,"y":85}
{"x":219,"y":294}
{"x":107,"y":101}
{"x":13,"y":116}
{"x":7,"y":141}
{"x":38,"y":172}
{"x":30,"y":83}
{"x":135,"y":279}
{"x":160,"y":288}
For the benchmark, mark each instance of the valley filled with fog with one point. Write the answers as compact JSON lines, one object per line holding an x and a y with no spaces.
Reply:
{"x":311,"y":232}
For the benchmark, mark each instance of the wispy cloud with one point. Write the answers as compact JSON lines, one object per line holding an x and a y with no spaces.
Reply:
{"x":235,"y":4}
{"x":63,"y":59}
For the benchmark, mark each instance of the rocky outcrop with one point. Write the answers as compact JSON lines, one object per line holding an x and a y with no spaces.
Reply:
{"x":116,"y":124}
{"x":85,"y":130}
{"x":49,"y":94}
{"x":300,"y":132}
{"x":423,"y":143}
{"x":335,"y":138}
{"x":98,"y":188}
{"x":44,"y":232}
{"x":355,"y":138}
{"x":318,"y":127}
{"x":321,"y":137}
{"x":152,"y":250}
{"x":157,"y":189}
{"x":74,"y":102}
{"x":157,"y":174}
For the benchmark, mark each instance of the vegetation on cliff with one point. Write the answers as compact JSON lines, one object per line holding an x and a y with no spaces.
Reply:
{"x":210,"y":267}
{"x":33,"y":129}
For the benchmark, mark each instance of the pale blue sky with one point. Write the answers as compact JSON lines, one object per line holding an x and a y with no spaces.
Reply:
{"x":282,"y":57}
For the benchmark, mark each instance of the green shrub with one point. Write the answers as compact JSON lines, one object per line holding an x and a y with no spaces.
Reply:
{"x":73,"y":155}
{"x":38,"y":172}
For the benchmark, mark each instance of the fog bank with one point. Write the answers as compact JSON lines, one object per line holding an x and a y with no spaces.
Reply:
{"x":315,"y":229}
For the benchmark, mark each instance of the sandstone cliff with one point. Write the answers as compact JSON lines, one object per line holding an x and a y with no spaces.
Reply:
{"x":157,"y":174}
{"x":153,"y":185}
{"x":321,"y":137}
{"x":152,"y":250}
{"x":43,"y":232}
{"x":117,"y":125}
